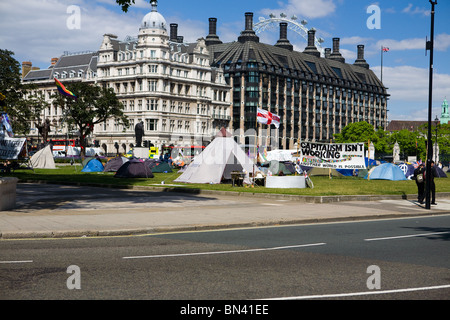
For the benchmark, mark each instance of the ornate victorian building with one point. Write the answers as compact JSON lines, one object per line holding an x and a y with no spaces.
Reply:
{"x":166,"y":83}
{"x":185,"y":92}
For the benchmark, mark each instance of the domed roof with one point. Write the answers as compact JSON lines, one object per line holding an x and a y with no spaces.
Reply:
{"x":153,"y":19}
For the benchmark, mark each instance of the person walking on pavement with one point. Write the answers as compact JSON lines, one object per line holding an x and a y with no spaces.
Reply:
{"x":420,"y":182}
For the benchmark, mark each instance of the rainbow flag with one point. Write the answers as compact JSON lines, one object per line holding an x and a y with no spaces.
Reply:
{"x":63,"y":89}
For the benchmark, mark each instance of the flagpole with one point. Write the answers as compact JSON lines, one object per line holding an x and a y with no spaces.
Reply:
{"x":381,"y":64}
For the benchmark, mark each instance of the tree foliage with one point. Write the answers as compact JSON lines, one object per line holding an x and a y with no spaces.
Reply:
{"x":94,"y":105}
{"x":411,"y":143}
{"x":125,"y":4}
{"x":21,"y":103}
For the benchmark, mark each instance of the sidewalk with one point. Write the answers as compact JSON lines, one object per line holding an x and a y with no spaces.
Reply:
{"x":57,"y":211}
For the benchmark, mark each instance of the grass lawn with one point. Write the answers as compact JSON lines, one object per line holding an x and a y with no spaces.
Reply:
{"x":323,"y":186}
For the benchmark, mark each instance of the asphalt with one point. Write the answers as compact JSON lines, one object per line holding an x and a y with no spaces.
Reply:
{"x":67,"y":211}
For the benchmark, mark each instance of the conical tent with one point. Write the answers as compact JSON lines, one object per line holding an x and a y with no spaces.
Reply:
{"x":114,"y":164}
{"x":216,"y":162}
{"x":386,"y":171}
{"x":134,"y":169}
{"x":94,"y":165}
{"x":43,"y":159}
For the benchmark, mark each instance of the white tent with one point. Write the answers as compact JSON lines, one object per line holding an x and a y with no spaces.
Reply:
{"x":43,"y":159}
{"x":281,"y":155}
{"x":216,"y":162}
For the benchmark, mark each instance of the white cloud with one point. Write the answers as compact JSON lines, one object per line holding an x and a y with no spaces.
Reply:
{"x":411,"y":10}
{"x":409,"y":98}
{"x":42,"y":32}
{"x":441,"y":43}
{"x":305,"y":8}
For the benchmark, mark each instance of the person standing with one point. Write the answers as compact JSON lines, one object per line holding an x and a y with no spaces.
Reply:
{"x":432,"y":185}
{"x":420,"y":182}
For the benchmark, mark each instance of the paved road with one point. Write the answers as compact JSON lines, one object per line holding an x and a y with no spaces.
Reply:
{"x":319,"y":261}
{"x":45,"y":210}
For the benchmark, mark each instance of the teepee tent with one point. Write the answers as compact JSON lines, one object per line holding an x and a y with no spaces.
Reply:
{"x":216,"y":162}
{"x":43,"y":159}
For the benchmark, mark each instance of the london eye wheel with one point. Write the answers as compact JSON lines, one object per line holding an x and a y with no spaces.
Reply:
{"x":298,"y":27}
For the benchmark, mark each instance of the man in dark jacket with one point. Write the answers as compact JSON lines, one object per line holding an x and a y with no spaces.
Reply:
{"x":420,"y":181}
{"x":432,"y":185}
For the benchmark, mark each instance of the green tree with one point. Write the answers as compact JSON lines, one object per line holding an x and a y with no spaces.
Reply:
{"x":125,"y":4}
{"x":94,"y":105}
{"x":364,"y":132}
{"x":21,"y":103}
{"x":443,"y":136}
{"x":410,"y":143}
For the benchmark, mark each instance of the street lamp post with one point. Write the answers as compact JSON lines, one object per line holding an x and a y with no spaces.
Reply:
{"x":429,"y":46}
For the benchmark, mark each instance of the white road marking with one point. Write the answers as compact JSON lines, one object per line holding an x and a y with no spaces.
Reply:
{"x":407,"y":236}
{"x":23,"y":261}
{"x":225,"y":252}
{"x":340,"y":295}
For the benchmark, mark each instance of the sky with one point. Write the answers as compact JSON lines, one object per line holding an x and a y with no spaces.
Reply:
{"x":38,"y":30}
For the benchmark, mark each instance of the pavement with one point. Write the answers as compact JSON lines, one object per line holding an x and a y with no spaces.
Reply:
{"x":66,"y":211}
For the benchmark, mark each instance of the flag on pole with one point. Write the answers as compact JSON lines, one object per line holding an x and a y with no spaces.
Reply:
{"x":63,"y":89}
{"x":267,"y":117}
{"x":4,"y":120}
{"x":385,"y":49}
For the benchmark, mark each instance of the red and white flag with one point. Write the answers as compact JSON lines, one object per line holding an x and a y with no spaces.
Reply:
{"x":385,"y":49}
{"x":267,"y":117}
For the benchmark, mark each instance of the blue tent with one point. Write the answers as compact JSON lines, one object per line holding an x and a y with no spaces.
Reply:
{"x":386,"y":171}
{"x":94,"y":165}
{"x":408,"y":170}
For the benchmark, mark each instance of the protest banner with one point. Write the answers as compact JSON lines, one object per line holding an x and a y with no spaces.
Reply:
{"x":10,"y":147}
{"x":332,"y":155}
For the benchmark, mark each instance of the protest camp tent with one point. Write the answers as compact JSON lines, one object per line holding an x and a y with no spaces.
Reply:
{"x":134,"y":168}
{"x":440,"y":172}
{"x":408,"y":169}
{"x":43,"y":159}
{"x":280,"y":155}
{"x":386,"y":171}
{"x":93,"y":165}
{"x":159,"y":166}
{"x":216,"y":162}
{"x":114,"y":164}
{"x":286,"y":167}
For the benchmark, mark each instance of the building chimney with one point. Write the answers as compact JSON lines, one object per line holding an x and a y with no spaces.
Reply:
{"x":283,"y":42}
{"x":173,"y":32}
{"x":212,"y":37}
{"x":248,"y":34}
{"x":26,"y":67}
{"x":360,"y":61}
{"x":336,"y":55}
{"x":311,"y":48}
{"x":327,"y":53}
